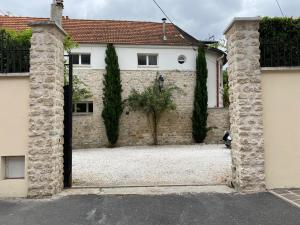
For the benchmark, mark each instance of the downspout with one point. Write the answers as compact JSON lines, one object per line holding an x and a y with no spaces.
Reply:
{"x":218,"y":80}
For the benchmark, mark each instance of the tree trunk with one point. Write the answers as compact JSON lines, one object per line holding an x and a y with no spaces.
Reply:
{"x":155,"y":128}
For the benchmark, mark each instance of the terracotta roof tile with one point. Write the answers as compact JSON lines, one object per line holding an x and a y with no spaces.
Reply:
{"x":111,"y":31}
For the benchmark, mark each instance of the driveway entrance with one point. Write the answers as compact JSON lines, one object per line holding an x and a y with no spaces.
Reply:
{"x":152,"y":166}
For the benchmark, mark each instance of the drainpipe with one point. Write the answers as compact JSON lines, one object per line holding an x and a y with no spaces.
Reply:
{"x":218,"y":80}
{"x":164,"y":29}
{"x":57,"y":11}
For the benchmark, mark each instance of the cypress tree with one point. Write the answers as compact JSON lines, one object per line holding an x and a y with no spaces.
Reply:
{"x":112,"y":99}
{"x":199,"y":118}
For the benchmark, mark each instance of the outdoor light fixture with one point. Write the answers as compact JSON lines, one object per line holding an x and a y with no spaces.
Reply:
{"x":161,"y":82}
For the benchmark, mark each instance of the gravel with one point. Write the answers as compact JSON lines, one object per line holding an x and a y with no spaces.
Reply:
{"x":152,"y":166}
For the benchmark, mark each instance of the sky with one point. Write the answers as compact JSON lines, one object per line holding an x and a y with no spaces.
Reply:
{"x":202,"y":19}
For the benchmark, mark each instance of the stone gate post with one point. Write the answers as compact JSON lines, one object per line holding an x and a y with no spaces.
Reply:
{"x":246,"y":112}
{"x":45,"y":156}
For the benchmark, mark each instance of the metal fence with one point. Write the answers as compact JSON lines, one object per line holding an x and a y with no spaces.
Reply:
{"x":280,"y":54}
{"x":14,"y":60}
{"x":14,"y":54}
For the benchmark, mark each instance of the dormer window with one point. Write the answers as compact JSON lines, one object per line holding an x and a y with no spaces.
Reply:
{"x":147,"y":59}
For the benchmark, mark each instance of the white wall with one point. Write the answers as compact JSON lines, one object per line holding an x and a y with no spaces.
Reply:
{"x":167,"y":60}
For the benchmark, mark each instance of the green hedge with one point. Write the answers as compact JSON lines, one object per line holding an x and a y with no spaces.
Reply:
{"x":14,"y":51}
{"x":280,"y":42}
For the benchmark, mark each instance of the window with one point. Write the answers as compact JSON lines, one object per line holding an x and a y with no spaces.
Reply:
{"x":81,"y":59}
{"x":181,"y":59}
{"x":152,"y":60}
{"x":147,"y":59}
{"x":142,"y":60}
{"x":75,"y":58}
{"x":85,"y":59}
{"x":14,"y":167}
{"x":83,"y":107}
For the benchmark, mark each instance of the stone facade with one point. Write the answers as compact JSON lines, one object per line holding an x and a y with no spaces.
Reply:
{"x":45,"y":155}
{"x":246,"y":111}
{"x":135,"y":127}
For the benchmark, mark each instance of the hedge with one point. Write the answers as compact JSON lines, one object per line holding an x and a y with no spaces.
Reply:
{"x":279,"y":42}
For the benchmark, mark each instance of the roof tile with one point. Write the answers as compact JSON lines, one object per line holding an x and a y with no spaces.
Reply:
{"x":111,"y":31}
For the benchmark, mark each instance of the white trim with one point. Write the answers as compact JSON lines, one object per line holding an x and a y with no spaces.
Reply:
{"x":15,"y":74}
{"x":241,"y":19}
{"x":291,"y":68}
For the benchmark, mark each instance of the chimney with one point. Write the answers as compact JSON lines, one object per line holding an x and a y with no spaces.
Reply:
{"x":56,"y":11}
{"x":164,"y":29}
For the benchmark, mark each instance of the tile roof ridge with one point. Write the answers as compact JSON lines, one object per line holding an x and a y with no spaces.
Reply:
{"x":86,"y":20}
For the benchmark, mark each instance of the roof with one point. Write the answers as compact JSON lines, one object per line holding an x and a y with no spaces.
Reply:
{"x":114,"y":31}
{"x":111,"y":31}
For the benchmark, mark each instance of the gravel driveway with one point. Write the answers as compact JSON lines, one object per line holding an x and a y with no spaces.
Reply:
{"x":152,"y":166}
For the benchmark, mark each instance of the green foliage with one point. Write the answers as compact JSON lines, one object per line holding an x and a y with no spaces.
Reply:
{"x":69,"y":44}
{"x":226,"y":102}
{"x":280,"y":41}
{"x":153,"y":102}
{"x":80,"y":90}
{"x":15,"y":47}
{"x":199,"y":118}
{"x":21,"y":38}
{"x":112,"y":99}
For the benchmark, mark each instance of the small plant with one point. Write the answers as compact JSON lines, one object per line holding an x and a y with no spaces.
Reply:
{"x":112,"y":99}
{"x":69,"y":44}
{"x":154,"y":102}
{"x":199,"y":118}
{"x":80,"y":90}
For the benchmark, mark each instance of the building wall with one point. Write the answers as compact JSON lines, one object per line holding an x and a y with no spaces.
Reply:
{"x":14,"y":97}
{"x":281,"y":94}
{"x":167,"y":61}
{"x":174,"y":128}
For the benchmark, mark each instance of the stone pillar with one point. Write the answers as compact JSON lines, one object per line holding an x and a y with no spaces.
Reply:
{"x":246,"y":112}
{"x":45,"y":156}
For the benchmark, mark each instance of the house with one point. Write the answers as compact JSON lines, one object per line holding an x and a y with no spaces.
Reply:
{"x":144,"y":50}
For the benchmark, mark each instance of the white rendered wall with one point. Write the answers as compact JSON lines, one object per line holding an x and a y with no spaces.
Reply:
{"x":167,"y":60}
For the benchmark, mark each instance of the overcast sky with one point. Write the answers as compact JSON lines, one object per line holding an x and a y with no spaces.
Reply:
{"x":198,"y":17}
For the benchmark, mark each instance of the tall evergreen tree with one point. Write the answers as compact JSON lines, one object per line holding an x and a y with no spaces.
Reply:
{"x":112,"y":99}
{"x":199,"y":118}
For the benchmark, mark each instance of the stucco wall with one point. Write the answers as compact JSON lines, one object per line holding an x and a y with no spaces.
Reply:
{"x":281,"y":103}
{"x":174,"y":128}
{"x":14,"y":98}
{"x":167,"y":61}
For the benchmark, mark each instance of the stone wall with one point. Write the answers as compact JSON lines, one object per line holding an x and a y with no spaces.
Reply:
{"x":218,"y":123}
{"x":246,"y":104}
{"x":135,"y":129}
{"x":45,"y":155}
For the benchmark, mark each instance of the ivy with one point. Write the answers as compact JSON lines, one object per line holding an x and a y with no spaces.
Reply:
{"x":280,"y":42}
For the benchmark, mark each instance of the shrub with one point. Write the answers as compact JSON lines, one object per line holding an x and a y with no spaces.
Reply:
{"x":226,"y":102}
{"x":199,"y":118}
{"x":153,"y":102}
{"x":279,"y":42}
{"x":112,"y":99}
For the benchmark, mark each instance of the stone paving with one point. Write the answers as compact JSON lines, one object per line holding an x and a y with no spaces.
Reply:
{"x":152,"y":166}
{"x":290,"y":195}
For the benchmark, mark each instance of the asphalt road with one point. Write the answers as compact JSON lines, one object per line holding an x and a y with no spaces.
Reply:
{"x":208,"y":209}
